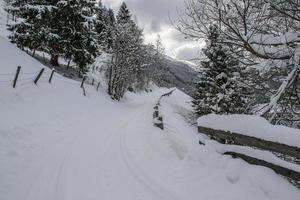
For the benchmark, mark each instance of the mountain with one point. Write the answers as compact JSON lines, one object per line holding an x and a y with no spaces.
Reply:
{"x":177,"y":74}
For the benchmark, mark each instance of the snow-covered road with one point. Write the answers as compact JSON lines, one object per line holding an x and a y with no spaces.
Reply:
{"x":92,"y":164}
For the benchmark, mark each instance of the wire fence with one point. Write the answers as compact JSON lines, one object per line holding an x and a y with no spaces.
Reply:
{"x":20,"y":79}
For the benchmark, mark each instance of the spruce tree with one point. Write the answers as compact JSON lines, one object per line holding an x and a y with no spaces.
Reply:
{"x":124,"y":15}
{"x":126,"y":63}
{"x":30,"y":29}
{"x":101,"y":25}
{"x":218,"y":90}
{"x":110,"y":29}
{"x":76,"y":32}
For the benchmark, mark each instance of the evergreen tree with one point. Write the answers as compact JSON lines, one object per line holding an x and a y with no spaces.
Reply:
{"x":159,"y":59}
{"x":110,"y":29}
{"x":218,"y":90}
{"x":101,"y":24}
{"x":54,"y":28}
{"x":30,"y":30}
{"x":124,"y":15}
{"x":76,"y":32}
{"x":126,"y":63}
{"x":105,"y":26}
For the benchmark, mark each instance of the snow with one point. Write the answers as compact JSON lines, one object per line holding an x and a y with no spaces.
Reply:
{"x":56,"y":144}
{"x":252,"y":126}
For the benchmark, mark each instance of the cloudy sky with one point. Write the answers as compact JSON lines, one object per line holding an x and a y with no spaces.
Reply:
{"x":153,"y":17}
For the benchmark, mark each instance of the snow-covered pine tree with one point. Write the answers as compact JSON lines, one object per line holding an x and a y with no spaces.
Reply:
{"x":218,"y":90}
{"x":125,"y":62}
{"x":105,"y":26}
{"x":76,"y":32}
{"x":159,"y":61}
{"x":124,"y":15}
{"x":101,"y":25}
{"x":30,"y":29}
{"x":110,"y":29}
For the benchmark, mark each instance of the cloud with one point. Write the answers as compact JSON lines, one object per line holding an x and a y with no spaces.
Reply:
{"x":188,"y":51}
{"x":154,"y":17}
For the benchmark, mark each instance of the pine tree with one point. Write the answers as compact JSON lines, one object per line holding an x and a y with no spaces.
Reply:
{"x":218,"y":90}
{"x":30,"y":30}
{"x":126,"y":63}
{"x":104,"y":27}
{"x":100,"y":24}
{"x":76,"y":32}
{"x":124,"y":15}
{"x":158,"y":60}
{"x":110,"y":29}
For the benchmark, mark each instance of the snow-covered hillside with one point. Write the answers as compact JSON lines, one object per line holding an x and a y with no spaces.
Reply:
{"x":57,"y":144}
{"x":178,"y":74}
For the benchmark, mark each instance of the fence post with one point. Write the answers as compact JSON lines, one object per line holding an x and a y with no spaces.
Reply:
{"x":84,"y":93}
{"x":83,"y":80}
{"x":93,"y":81}
{"x":16,"y":77}
{"x":98,"y":86}
{"x":39,"y":76}
{"x":51,"y":76}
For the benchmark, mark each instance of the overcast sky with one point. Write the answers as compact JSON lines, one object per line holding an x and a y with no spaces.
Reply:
{"x":153,"y":17}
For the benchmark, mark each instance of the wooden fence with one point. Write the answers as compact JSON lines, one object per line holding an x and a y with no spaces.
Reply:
{"x":157,"y":117}
{"x":231,"y":138}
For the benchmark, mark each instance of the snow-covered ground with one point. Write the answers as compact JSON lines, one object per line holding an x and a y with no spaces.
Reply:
{"x":56,"y":144}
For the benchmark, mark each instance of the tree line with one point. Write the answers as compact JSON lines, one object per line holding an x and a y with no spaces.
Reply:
{"x":81,"y":30}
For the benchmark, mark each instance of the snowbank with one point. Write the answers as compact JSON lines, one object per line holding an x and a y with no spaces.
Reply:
{"x":252,"y":126}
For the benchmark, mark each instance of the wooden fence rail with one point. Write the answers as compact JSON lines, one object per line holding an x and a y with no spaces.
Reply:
{"x":227,"y":137}
{"x":294,"y":175}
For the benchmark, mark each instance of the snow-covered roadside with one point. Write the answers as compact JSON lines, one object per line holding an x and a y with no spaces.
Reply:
{"x":203,"y":171}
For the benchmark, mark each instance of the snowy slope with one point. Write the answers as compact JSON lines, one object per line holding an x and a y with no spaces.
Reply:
{"x":56,"y":144}
{"x":177,"y":74}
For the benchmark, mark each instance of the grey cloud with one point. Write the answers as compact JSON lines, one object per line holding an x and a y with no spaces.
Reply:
{"x":189,"y":52}
{"x":153,"y":17}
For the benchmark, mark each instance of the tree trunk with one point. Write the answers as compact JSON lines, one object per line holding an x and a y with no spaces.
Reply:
{"x":110,"y":77}
{"x":54,"y":60}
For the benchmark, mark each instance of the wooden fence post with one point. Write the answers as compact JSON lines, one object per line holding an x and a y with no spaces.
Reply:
{"x":39,"y":76}
{"x":83,"y":80}
{"x":98,"y":86}
{"x":16,"y":77}
{"x":51,"y":76}
{"x":84,"y":93}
